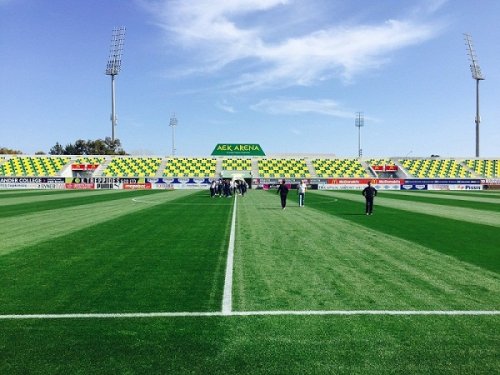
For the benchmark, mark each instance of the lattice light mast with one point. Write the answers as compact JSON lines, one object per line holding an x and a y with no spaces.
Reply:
{"x":173,"y":124}
{"x":478,"y":76}
{"x":113,"y":68}
{"x":359,"y":122}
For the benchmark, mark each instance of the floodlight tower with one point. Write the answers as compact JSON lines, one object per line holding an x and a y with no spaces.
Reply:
{"x":359,"y":122}
{"x":478,"y":76}
{"x":173,"y":124}
{"x":113,"y":68}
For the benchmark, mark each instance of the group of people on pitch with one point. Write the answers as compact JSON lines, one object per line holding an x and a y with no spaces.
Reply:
{"x":369,"y":192}
{"x":227,"y":188}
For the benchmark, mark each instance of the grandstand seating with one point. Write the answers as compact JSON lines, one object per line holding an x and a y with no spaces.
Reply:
{"x":267,"y":167}
{"x":339,"y":168}
{"x":132,"y":167}
{"x":380,"y":162}
{"x":237,"y":164}
{"x":486,"y":168}
{"x":435,"y":168}
{"x":190,"y":167}
{"x":33,"y":166}
{"x":90,"y":160}
{"x":283,"y":168}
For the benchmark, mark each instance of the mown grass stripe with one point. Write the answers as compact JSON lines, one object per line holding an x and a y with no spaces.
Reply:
{"x":451,"y":212}
{"x":6,"y":195}
{"x":35,"y":227}
{"x":44,"y":196}
{"x":473,"y":243}
{"x":166,"y":257}
{"x":303,"y":258}
{"x":476,"y":203}
{"x":79,"y":199}
{"x":470,"y":197}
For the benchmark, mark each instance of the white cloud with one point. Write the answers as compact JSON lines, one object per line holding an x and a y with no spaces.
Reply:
{"x":228,"y":35}
{"x":225,"y":106}
{"x":293,"y":106}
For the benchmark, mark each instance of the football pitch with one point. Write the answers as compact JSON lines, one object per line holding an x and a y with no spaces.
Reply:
{"x":174,"y":282}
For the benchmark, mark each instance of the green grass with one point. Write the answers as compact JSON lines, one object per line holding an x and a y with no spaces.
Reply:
{"x":118,"y":252}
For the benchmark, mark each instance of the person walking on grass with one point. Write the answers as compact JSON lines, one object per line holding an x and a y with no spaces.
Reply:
{"x":369,"y":193}
{"x":301,"y":191}
{"x":283,"y":192}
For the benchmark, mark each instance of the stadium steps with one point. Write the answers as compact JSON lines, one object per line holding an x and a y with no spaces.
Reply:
{"x":473,"y":172}
{"x":102,"y":167}
{"x":255,"y":167}
{"x":67,"y":171}
{"x":403,"y":170}
{"x":161,"y":168}
{"x":218,"y":167}
{"x":311,"y":168}
{"x":367,"y":168}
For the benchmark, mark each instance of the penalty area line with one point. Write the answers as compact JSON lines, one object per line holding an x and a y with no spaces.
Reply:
{"x":252,"y":313}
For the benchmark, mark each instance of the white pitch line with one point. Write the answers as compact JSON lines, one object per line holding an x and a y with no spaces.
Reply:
{"x":366,"y":312}
{"x":108,"y":315}
{"x":250,"y":313}
{"x":227,"y":299}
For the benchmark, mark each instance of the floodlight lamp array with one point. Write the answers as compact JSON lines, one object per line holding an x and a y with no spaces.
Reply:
{"x":360,"y":121}
{"x":474,"y":63}
{"x":173,"y":121}
{"x":115,"y":52}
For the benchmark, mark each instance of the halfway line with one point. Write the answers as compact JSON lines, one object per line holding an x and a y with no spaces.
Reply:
{"x":227,"y":300}
{"x":250,"y":313}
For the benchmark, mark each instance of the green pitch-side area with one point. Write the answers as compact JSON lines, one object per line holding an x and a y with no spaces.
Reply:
{"x":133,"y":282}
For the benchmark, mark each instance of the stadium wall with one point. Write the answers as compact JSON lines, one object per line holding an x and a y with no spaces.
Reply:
{"x":70,"y":183}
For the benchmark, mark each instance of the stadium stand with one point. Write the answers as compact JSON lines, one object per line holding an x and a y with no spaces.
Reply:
{"x":90,"y":160}
{"x":33,"y":166}
{"x":237,"y":164}
{"x":339,"y":168}
{"x":132,"y":167}
{"x":380,"y":162}
{"x":485,"y":168}
{"x":283,"y":168}
{"x":190,"y":167}
{"x":435,"y":168}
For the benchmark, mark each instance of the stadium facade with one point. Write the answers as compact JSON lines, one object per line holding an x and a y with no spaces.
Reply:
{"x":320,"y":171}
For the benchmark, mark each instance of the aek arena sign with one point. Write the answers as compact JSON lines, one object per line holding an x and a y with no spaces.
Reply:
{"x":240,"y":149}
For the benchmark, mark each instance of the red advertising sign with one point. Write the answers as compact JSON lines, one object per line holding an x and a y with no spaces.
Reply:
{"x":84,"y":167}
{"x":363,"y":181}
{"x":79,"y":186}
{"x":385,"y":168}
{"x":146,"y":185}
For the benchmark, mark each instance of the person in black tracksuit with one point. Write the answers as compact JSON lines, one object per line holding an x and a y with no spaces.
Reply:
{"x":369,"y":193}
{"x":283,"y":192}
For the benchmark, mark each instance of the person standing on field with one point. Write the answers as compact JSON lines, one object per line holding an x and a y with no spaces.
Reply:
{"x":283,"y":192}
{"x":369,"y":193}
{"x":301,"y":190}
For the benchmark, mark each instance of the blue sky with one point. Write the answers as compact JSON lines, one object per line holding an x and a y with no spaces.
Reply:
{"x":289,"y":75}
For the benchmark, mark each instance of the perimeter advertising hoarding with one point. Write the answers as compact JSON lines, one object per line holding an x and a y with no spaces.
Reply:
{"x":187,"y":183}
{"x":360,"y":183}
{"x":49,"y":183}
{"x":444,"y":181}
{"x":238,"y":149}
{"x":442,"y":184}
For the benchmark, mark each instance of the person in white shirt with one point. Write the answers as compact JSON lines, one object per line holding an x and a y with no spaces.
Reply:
{"x":301,"y":190}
